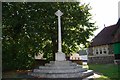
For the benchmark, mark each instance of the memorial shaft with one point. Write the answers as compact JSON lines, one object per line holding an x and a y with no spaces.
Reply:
{"x":59,"y":14}
{"x":59,"y":35}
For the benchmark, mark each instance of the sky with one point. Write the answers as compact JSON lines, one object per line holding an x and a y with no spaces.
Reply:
{"x":105,"y":12}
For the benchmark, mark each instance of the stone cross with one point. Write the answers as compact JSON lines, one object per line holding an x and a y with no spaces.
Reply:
{"x":59,"y":56}
{"x":59,"y":14}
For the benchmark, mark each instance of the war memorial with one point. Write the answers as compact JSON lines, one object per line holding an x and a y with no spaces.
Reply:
{"x":60,"y":68}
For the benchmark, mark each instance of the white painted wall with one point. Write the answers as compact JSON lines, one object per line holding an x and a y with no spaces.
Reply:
{"x":100,"y":50}
{"x":84,"y":57}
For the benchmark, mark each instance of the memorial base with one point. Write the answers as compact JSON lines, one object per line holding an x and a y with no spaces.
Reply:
{"x":61,"y":69}
{"x":60,"y":56}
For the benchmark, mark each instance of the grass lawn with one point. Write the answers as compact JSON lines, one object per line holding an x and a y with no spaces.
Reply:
{"x":109,"y":71}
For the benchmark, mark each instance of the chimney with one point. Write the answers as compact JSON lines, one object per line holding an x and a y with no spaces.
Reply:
{"x":118,"y":23}
{"x":118,"y":9}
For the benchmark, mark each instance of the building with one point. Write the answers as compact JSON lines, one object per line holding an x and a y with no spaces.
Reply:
{"x":116,"y":44}
{"x":81,"y":55}
{"x":106,"y":44}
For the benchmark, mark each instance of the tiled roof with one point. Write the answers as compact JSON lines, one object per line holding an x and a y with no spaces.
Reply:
{"x":117,"y":35}
{"x":105,"y":36}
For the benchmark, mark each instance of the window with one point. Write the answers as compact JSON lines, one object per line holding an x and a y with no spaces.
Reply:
{"x":105,"y":50}
{"x":96,"y":51}
{"x":100,"y":51}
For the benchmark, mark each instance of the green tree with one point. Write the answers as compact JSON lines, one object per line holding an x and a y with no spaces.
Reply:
{"x":29,"y":28}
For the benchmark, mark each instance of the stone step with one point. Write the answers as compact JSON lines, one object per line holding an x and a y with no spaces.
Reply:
{"x":87,"y":73}
{"x":61,"y":64}
{"x":59,"y":67}
{"x":65,"y":75}
{"x":59,"y":71}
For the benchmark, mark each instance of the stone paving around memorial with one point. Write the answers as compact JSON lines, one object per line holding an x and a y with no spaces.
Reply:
{"x":23,"y":75}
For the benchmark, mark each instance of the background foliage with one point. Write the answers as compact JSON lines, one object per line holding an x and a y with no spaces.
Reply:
{"x":30,"y":28}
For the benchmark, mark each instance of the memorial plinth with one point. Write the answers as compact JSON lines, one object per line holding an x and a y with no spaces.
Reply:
{"x":59,"y":56}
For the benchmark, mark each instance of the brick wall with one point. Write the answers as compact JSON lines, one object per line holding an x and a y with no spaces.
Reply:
{"x":101,"y":59}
